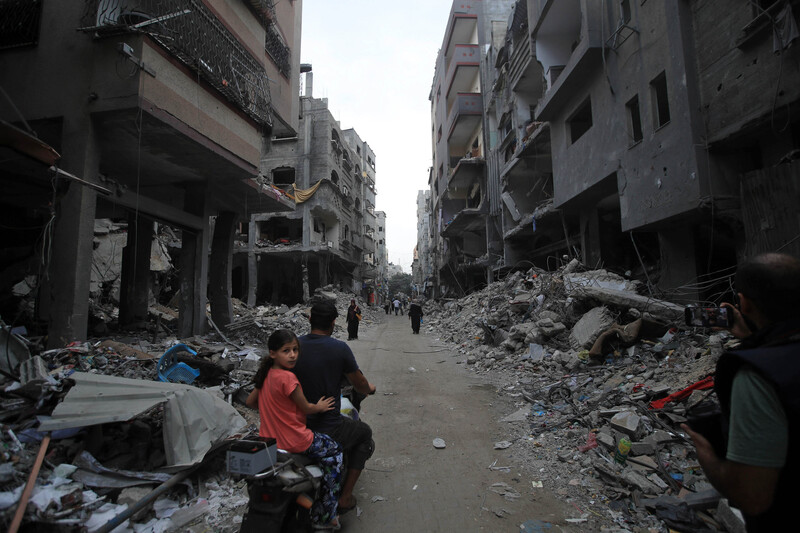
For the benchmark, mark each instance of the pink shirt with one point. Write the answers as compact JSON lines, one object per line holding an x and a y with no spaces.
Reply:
{"x":281,"y":419}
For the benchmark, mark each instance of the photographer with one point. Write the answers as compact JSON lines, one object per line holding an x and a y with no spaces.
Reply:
{"x":758,"y":386}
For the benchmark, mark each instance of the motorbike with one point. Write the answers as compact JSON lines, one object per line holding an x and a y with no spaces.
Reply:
{"x":281,"y":495}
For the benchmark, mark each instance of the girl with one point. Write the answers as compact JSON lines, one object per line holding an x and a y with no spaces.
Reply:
{"x":282,"y":408}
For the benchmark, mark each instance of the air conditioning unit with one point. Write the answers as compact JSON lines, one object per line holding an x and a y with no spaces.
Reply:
{"x":330,"y":244}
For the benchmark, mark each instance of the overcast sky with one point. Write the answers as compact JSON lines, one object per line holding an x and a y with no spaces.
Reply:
{"x":374,"y":62}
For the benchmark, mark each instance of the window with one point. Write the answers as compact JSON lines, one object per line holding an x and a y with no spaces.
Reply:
{"x":580,"y":121}
{"x":634,"y":120}
{"x":334,"y":177}
{"x":19,"y":23}
{"x":625,"y":11}
{"x":283,"y":176}
{"x":658,"y":90}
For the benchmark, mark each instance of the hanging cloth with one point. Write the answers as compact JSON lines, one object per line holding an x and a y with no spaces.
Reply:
{"x":301,"y":195}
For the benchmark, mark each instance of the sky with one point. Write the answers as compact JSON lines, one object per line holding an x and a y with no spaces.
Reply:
{"x":374,"y":62}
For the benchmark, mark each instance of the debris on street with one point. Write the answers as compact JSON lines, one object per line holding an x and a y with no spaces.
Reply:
{"x":106,"y":435}
{"x":595,"y":368}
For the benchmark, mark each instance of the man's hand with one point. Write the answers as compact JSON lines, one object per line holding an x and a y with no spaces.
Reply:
{"x":750,"y":488}
{"x":739,"y":328}
{"x":704,"y":449}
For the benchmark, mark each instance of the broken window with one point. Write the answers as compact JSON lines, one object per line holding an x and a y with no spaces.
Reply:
{"x":634,"y":120}
{"x":580,"y":121}
{"x":658,"y":89}
{"x":625,"y":11}
{"x":283,"y":176}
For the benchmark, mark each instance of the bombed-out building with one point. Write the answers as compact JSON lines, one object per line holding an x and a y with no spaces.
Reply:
{"x":330,"y":237}
{"x":648,"y":138}
{"x":150,"y":113}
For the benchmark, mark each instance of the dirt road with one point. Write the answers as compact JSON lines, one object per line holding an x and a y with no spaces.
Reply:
{"x":410,"y":486}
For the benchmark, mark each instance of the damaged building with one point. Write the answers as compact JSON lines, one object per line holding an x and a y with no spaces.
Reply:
{"x":646,"y":137}
{"x":332,"y":235}
{"x":149,"y":114}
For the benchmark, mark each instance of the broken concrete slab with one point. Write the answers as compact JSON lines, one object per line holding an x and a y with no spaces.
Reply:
{"x":589,"y":328}
{"x":624,"y":299}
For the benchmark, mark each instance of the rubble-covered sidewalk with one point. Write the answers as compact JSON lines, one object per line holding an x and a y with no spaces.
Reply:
{"x":93,"y":441}
{"x":589,"y":360}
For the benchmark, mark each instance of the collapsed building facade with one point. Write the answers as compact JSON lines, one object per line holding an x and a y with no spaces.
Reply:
{"x":645,"y":137}
{"x":330,"y":238}
{"x":148,"y":112}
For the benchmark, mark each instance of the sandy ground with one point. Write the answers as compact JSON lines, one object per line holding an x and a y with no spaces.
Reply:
{"x":408,"y":485}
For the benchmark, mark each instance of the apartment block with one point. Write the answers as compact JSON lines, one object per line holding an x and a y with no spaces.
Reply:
{"x":644,"y":137}
{"x":463,"y":244}
{"x":330,"y":238}
{"x":141,"y":111}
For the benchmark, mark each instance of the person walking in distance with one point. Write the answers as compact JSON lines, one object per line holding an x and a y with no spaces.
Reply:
{"x":416,"y":314}
{"x":325,"y":363}
{"x":758,"y":386}
{"x":353,"y":318}
{"x":396,"y":304}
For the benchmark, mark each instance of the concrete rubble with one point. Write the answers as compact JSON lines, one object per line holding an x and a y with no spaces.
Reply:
{"x":98,"y":463}
{"x":580,"y":355}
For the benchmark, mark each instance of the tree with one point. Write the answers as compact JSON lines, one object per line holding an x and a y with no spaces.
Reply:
{"x":399,"y":283}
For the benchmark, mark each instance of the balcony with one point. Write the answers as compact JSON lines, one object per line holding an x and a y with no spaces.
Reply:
{"x":466,"y":173}
{"x":569,"y":45}
{"x":462,"y":74}
{"x":192,"y":34}
{"x":465,"y":117}
{"x":461,"y":29}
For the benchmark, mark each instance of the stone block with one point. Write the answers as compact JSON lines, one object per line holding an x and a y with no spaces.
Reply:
{"x":606,"y":440}
{"x":589,"y":327}
{"x":626,"y":422}
{"x":636,"y":479}
{"x":643,"y":448}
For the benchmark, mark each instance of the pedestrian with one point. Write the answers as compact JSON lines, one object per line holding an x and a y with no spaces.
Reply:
{"x":282,"y":409}
{"x":396,"y":304}
{"x":325,"y":363}
{"x":416,"y":314}
{"x":758,"y":386}
{"x":386,"y":307}
{"x":353,"y":318}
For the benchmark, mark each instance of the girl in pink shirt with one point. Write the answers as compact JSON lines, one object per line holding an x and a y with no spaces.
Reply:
{"x":283,"y":408}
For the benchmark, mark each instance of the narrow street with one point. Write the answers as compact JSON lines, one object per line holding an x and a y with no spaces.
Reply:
{"x":408,"y":484}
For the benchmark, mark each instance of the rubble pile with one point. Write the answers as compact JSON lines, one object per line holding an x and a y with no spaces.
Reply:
{"x":135,"y":441}
{"x":589,"y":361}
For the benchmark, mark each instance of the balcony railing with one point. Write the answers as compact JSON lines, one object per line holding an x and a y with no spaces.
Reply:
{"x":19,"y":23}
{"x":190,"y":32}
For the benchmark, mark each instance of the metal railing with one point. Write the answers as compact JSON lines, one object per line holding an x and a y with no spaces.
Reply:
{"x":19,"y":23}
{"x":190,"y":32}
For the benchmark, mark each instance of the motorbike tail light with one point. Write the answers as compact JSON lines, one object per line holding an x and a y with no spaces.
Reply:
{"x":266,"y":497}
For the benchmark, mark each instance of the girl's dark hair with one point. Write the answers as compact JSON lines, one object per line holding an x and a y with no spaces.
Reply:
{"x":278,"y":338}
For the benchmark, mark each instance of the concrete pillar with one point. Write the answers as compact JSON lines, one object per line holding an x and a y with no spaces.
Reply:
{"x":252,"y":264}
{"x":135,"y":282}
{"x":306,"y":290}
{"x":590,"y":238}
{"x":678,"y":263}
{"x":64,"y":295}
{"x":194,"y":266}
{"x":220,"y":269}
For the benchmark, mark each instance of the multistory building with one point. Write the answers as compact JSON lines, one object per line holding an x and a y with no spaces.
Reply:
{"x":647,"y":138}
{"x":464,"y":240}
{"x":381,"y":258}
{"x":139,"y":110}
{"x":329,"y":238}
